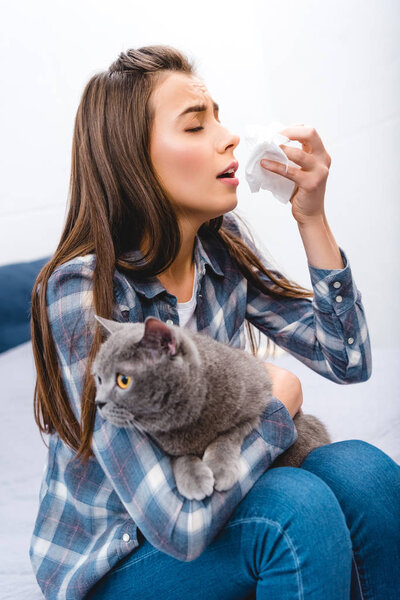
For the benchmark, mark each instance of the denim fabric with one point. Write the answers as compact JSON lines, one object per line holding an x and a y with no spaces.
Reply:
{"x":327,"y":531}
{"x":366,"y":482}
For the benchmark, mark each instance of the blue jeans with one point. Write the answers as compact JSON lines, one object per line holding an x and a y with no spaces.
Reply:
{"x":329,"y":530}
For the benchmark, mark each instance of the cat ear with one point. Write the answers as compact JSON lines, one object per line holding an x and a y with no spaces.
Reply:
{"x":158,"y":335}
{"x":109,"y":326}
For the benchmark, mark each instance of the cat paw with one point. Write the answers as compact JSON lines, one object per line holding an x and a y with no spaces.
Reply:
{"x":225,"y":477}
{"x":226,"y":473}
{"x":194,"y":479}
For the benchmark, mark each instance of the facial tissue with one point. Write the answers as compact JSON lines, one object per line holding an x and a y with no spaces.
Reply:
{"x":263,"y":142}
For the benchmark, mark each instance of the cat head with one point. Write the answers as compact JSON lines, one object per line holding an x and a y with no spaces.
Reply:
{"x":141,"y":370}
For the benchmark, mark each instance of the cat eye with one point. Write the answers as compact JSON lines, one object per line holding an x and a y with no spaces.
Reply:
{"x":123,"y":381}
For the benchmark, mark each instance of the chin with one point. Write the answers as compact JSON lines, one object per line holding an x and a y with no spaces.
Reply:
{"x":233,"y":203}
{"x":218,"y":208}
{"x":227,"y":207}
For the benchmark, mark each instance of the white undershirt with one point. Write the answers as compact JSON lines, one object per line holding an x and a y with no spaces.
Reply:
{"x":186,"y":309}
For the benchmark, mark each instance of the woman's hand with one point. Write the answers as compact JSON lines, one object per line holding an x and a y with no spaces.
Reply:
{"x":308,"y":196}
{"x":286,"y":386}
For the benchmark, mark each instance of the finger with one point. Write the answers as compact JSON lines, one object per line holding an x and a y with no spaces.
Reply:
{"x":293,"y":173}
{"x":300,"y":157}
{"x":308,"y":136}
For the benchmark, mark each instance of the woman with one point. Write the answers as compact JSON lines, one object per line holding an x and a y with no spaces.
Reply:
{"x":150,"y":230}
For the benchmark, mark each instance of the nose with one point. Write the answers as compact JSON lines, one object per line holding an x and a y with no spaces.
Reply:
{"x":231,"y":140}
{"x":99,"y":404}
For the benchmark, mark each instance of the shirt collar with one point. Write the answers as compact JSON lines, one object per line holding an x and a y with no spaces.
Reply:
{"x":202,"y":258}
{"x":152,"y":286}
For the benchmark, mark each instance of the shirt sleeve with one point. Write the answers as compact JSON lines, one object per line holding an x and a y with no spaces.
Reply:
{"x":328,"y":333}
{"x":136,"y":467}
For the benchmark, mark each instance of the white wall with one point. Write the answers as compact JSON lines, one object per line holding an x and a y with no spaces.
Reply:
{"x":333,"y":65}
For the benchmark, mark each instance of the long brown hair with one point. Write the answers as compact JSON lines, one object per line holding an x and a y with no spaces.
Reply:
{"x":115,"y":199}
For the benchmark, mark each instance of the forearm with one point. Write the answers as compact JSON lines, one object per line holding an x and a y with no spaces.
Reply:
{"x":321,"y":248}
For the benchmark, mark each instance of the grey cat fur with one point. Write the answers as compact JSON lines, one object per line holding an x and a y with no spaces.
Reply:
{"x":197,"y":398}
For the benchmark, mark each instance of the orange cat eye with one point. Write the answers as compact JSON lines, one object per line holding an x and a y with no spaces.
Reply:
{"x":123,"y":381}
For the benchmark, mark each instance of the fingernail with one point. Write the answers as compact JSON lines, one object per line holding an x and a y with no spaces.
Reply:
{"x":265,"y":163}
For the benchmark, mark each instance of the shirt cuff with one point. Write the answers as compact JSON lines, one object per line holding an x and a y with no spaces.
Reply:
{"x":276,"y":425}
{"x":334,"y":289}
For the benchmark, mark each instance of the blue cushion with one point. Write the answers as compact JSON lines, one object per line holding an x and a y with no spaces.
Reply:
{"x":16,"y":283}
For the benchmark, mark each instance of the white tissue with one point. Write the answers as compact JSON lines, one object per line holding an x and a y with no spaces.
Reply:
{"x":264,"y":141}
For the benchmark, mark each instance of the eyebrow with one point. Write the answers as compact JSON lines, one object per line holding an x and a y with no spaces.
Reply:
{"x":197,"y":108}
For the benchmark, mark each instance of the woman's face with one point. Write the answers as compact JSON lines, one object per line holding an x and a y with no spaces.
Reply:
{"x":188,"y":162}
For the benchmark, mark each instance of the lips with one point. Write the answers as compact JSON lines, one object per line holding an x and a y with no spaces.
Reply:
{"x":233,"y":165}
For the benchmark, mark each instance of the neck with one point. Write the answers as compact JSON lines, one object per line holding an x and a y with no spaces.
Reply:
{"x":183,"y":265}
{"x":182,"y":268}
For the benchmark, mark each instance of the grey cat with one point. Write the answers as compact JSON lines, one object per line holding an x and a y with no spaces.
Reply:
{"x":195,"y":397}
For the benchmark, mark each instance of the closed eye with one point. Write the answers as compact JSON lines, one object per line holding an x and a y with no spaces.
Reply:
{"x":200,"y":128}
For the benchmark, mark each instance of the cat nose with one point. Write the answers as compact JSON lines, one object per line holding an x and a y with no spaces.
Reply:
{"x":100,"y":404}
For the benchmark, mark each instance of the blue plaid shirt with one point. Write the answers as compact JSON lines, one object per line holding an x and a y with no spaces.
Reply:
{"x":88,"y":515}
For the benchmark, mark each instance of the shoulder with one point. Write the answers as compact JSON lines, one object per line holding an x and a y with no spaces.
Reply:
{"x":72,"y":284}
{"x":78,"y":267}
{"x":242,"y":230}
{"x":234,"y":224}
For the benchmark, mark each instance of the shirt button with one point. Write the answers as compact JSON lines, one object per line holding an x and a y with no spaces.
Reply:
{"x":169,"y":322}
{"x":126,"y":537}
{"x":350,"y":340}
{"x":339,"y":298}
{"x":337,"y":284}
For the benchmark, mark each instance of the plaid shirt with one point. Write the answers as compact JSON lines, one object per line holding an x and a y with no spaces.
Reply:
{"x":88,"y":515}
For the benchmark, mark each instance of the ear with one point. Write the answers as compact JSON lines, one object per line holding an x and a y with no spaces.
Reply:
{"x":108,"y":326}
{"x":157,"y":335}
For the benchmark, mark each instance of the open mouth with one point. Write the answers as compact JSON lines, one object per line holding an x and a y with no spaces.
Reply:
{"x":230,"y":173}
{"x":229,"y":178}
{"x":226,"y":175}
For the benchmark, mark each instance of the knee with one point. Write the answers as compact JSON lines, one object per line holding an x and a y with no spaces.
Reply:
{"x":299,"y":501}
{"x":358,"y":463}
{"x":358,"y":449}
{"x":364,"y":479}
{"x":294,"y":525}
